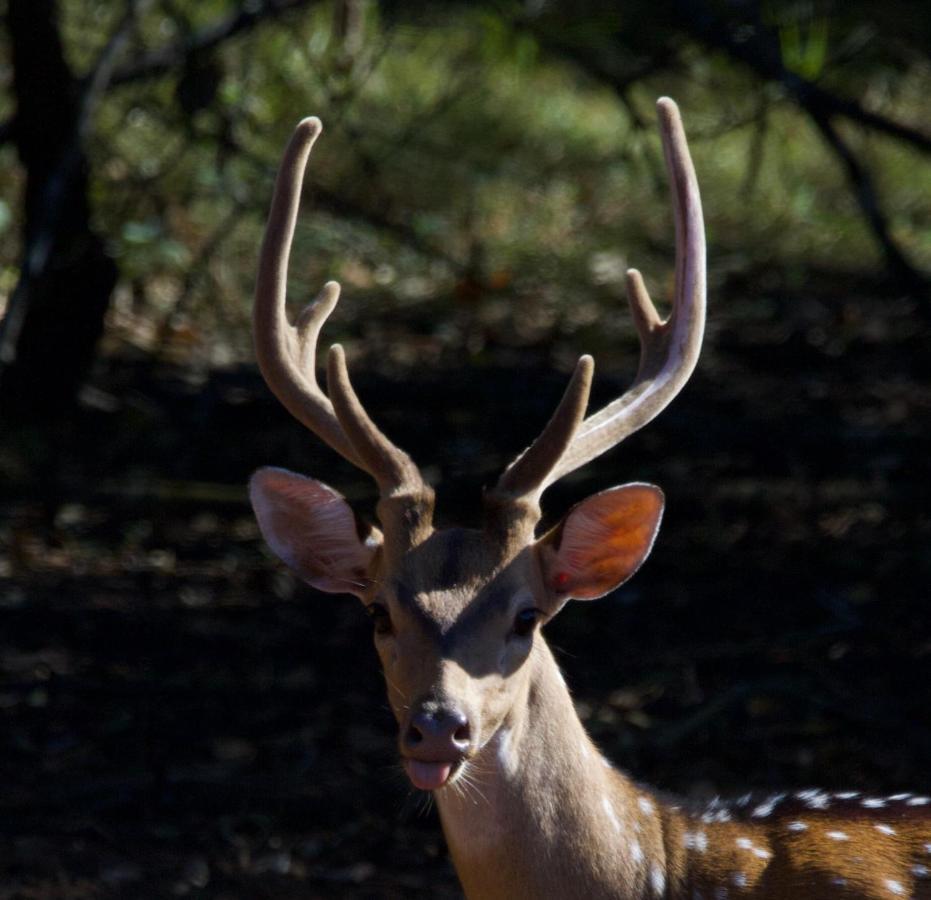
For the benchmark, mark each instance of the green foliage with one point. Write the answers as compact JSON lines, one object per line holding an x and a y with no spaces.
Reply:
{"x":461,"y":146}
{"x":803,"y":40}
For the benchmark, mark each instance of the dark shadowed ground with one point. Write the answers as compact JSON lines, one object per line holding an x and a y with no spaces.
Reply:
{"x":179,"y":717}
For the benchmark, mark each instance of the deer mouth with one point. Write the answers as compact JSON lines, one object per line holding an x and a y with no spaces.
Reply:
{"x":429,"y":776}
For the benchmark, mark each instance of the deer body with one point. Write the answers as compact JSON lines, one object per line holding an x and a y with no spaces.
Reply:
{"x":544,"y":808}
{"x":485,"y":721}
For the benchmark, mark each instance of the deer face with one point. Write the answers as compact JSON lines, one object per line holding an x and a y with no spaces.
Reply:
{"x":454,"y":628}
{"x":456,"y":617}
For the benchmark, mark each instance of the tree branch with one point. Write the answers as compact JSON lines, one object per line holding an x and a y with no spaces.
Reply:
{"x":761,"y":54}
{"x":8,"y":130}
{"x":812,"y":96}
{"x":44,"y":237}
{"x":862,"y":184}
{"x":174,"y":55}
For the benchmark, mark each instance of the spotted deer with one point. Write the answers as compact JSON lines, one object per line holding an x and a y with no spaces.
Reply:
{"x":529,"y":807}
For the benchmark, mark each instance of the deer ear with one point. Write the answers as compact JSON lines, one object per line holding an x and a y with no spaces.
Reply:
{"x":313,"y":529}
{"x":601,"y":542}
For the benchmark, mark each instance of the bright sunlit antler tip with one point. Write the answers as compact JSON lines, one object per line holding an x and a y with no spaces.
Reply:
{"x":311,"y":126}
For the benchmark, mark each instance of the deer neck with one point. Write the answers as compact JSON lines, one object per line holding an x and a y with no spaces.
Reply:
{"x":543,"y":814}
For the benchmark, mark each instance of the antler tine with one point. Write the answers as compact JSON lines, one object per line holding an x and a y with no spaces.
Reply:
{"x":668,"y":349}
{"x":525,"y":476}
{"x":287,"y":353}
{"x":393,"y":470}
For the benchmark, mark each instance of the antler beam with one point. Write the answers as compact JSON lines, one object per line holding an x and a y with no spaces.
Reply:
{"x":287,"y":354}
{"x":669,"y":348}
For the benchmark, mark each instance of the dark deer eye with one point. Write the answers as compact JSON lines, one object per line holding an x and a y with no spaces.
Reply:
{"x":524,"y":622}
{"x":380,"y":617}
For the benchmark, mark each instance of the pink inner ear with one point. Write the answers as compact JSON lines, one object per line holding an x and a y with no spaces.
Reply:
{"x":603,"y":541}
{"x":312,"y":528}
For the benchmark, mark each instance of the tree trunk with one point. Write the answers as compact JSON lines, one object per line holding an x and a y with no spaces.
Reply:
{"x":63,"y":299}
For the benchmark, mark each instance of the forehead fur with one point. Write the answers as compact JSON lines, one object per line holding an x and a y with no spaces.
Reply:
{"x":450,"y":570}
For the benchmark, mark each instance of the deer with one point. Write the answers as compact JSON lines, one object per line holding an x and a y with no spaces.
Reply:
{"x":528,"y":805}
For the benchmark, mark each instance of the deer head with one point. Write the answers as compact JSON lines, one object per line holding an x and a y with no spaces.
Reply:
{"x":457,"y":612}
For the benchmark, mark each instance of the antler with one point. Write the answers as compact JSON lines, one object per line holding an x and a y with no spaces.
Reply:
{"x":287,"y":353}
{"x":668,"y":349}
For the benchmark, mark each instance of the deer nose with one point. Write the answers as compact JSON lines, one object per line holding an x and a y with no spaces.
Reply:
{"x":438,"y":734}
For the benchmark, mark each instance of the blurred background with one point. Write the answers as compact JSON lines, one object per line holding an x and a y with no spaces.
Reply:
{"x":179,"y":716}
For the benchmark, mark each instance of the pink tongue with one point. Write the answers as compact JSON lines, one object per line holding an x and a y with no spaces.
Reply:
{"x":428,"y":776}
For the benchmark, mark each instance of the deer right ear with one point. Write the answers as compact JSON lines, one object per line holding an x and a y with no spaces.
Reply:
{"x":601,"y":542}
{"x":313,"y":529}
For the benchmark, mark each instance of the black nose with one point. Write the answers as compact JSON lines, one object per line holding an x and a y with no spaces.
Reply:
{"x":438,"y":734}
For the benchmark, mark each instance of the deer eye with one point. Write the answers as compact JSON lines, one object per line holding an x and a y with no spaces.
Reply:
{"x":525,"y":621}
{"x":381,"y":618}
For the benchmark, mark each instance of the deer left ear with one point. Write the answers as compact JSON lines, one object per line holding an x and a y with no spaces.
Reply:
{"x":313,"y":529}
{"x":601,"y":542}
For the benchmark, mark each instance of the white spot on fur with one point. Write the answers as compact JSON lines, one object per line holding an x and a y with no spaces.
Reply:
{"x":606,"y":762}
{"x":894,"y":886}
{"x":885,"y":829}
{"x":873,"y":803}
{"x":636,"y":851}
{"x":904,"y":796}
{"x":918,"y":801}
{"x":797,"y":826}
{"x":506,"y":758}
{"x":657,"y":880}
{"x":765,"y":808}
{"x":816,"y":799}
{"x":646,"y":806}
{"x":927,"y":848}
{"x":838,"y":835}
{"x":920,"y":871}
{"x":695,"y":840}
{"x":746,"y":844}
{"x":837,"y":881}
{"x":740,"y":879}
{"x":609,"y":812}
{"x":714,"y":814}
{"x":847,"y":795}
